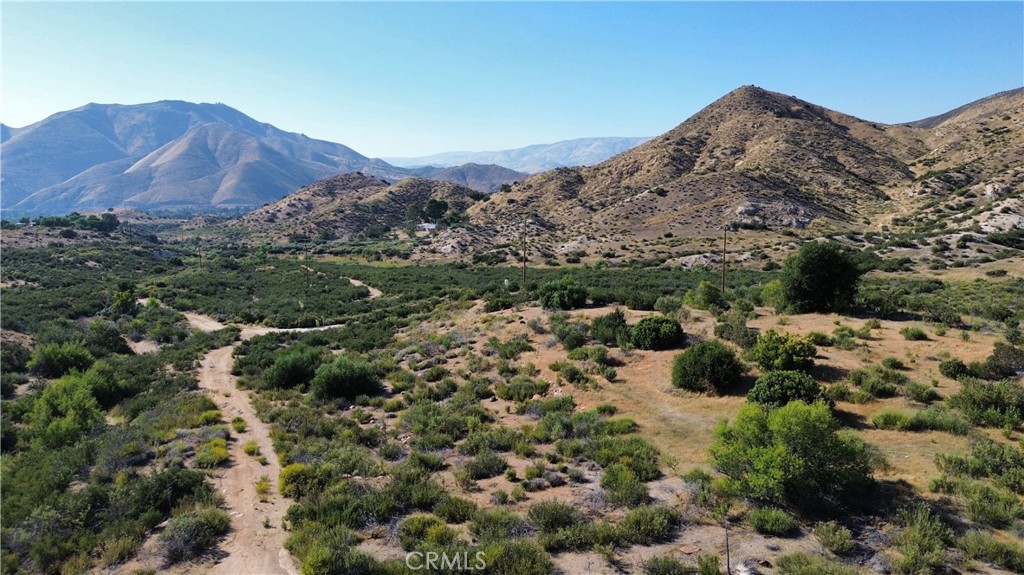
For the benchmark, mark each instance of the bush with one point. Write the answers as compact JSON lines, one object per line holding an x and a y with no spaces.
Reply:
{"x":520,"y":388}
{"x":994,"y":404}
{"x":551,"y":516}
{"x":709,"y":366}
{"x":562,"y":294}
{"x":777,"y":388}
{"x":65,"y":411}
{"x":771,"y":521}
{"x":212,"y":453}
{"x":668,"y":304}
{"x":496,"y":525}
{"x":733,"y":327}
{"x":834,"y":537}
{"x":791,"y":455}
{"x":346,"y":376}
{"x":776,"y":351}
{"x":953,"y":368}
{"x":706,"y":296}
{"x":455,"y":509}
{"x":413,"y":530}
{"x":657,"y":332}
{"x":666,"y":565}
{"x":821,"y":277}
{"x":610,"y":328}
{"x":649,"y":524}
{"x":622,"y":486}
{"x":913,"y":334}
{"x":485,"y":465}
{"x":804,"y":564}
{"x":981,"y":546}
{"x":921,"y":542}
{"x":57,"y":359}
{"x":294,"y":367}
{"x":189,"y":534}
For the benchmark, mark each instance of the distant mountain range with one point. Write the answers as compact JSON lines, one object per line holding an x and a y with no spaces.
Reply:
{"x":533,"y":159}
{"x":179,"y":156}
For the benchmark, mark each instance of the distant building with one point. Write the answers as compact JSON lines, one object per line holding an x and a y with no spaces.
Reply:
{"x":426,"y":227}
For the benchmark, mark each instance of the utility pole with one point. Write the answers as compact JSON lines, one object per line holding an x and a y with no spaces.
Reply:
{"x":725,"y":237}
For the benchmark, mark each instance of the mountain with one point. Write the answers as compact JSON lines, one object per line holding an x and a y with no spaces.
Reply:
{"x":173,"y":155}
{"x":341,"y":207}
{"x":757,"y":159}
{"x":532,"y":159}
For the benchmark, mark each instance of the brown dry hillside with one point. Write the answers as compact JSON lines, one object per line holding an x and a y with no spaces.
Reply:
{"x":760,"y":159}
{"x":344,"y":206}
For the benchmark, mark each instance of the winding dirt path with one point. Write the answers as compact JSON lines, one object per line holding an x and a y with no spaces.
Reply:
{"x":374,"y":292}
{"x":255,"y":543}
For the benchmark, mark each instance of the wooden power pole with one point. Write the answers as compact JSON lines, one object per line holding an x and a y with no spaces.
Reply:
{"x":725,"y":237}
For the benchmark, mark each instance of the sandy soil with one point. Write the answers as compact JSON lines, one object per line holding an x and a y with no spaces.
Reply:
{"x":143,"y":346}
{"x":374,"y":292}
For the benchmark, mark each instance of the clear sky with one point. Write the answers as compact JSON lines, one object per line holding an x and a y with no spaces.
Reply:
{"x":394,"y":79}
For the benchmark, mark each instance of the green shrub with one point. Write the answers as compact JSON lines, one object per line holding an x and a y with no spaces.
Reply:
{"x":520,"y":388}
{"x":993,"y":404}
{"x":496,"y":525}
{"x":552,"y":516}
{"x":666,"y":565}
{"x":706,"y":296}
{"x":57,"y":359}
{"x":512,"y":348}
{"x":622,"y":486}
{"x":792,"y":454}
{"x":648,"y":524}
{"x":920,"y":392}
{"x":953,"y":368}
{"x":189,"y":534}
{"x":238,"y":424}
{"x":517,"y":557}
{"x":709,"y":366}
{"x":562,"y":294}
{"x":610,"y":328}
{"x":657,"y":332}
{"x":913,"y":334}
{"x":834,"y":537}
{"x":294,"y":367}
{"x":982,"y":546}
{"x":455,"y":509}
{"x":211,"y":454}
{"x":921,"y":542}
{"x":804,"y":564}
{"x":733,"y":327}
{"x":776,"y":351}
{"x":65,"y":411}
{"x":820,"y":339}
{"x":771,"y":521}
{"x":668,"y":304}
{"x":893,"y":363}
{"x":346,"y":376}
{"x":777,"y":388}
{"x":485,"y":465}
{"x":931,"y":419}
{"x":412,"y":531}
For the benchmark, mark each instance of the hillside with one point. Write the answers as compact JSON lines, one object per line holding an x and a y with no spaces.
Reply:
{"x":761,"y":160}
{"x":345,"y":206}
{"x":178,"y":156}
{"x":535,"y":158}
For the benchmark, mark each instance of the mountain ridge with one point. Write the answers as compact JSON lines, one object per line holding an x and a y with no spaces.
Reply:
{"x":531,"y":159}
{"x":176,"y":155}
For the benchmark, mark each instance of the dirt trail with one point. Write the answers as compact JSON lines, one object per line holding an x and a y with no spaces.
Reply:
{"x":374,"y":292}
{"x":255,"y":543}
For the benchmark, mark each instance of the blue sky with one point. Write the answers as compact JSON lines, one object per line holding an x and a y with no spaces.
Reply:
{"x":392,"y":79}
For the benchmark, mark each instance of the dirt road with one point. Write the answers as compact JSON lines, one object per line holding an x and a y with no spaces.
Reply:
{"x":255,"y":543}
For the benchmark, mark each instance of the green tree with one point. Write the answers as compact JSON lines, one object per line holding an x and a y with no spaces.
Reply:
{"x":64,"y":411}
{"x":709,"y":366}
{"x":821,"y":277}
{"x":56,"y":359}
{"x":346,"y":376}
{"x":793,"y":455}
{"x":777,"y":388}
{"x":657,"y":332}
{"x":783,"y":351}
{"x":563,"y":293}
